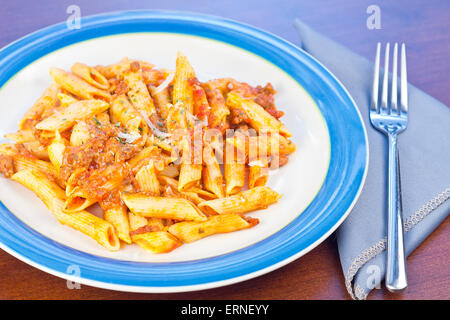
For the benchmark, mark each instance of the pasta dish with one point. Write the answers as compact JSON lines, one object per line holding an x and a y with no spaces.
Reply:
{"x":168,"y":158}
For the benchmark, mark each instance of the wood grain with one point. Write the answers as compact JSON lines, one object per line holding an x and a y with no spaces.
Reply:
{"x":317,"y":275}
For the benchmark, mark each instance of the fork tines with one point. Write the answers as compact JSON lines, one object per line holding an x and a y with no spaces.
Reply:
{"x":383,"y":106}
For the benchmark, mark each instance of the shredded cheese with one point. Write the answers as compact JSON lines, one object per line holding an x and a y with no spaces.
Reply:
{"x":129,"y":137}
{"x":165,"y":83}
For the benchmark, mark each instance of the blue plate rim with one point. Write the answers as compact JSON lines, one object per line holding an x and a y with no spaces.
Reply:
{"x":152,"y":283}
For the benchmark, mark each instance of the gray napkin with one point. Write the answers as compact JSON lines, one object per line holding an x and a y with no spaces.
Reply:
{"x":424,"y":151}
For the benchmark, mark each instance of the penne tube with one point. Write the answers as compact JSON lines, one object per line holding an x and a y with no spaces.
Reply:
{"x":72,"y":181}
{"x":153,"y":153}
{"x":223,"y":84}
{"x":162,"y":100}
{"x":234,"y":166}
{"x":157,"y":241}
{"x":273,"y":143}
{"x":48,"y":99}
{"x":147,"y":179}
{"x":176,"y":117}
{"x":80,"y":134}
{"x":8,"y":149}
{"x":219,"y":111}
{"x":234,"y":177}
{"x":182,"y":89}
{"x":249,"y":200}
{"x":168,"y":181}
{"x":56,"y":151}
{"x":161,"y":207}
{"x":122,"y":111}
{"x":68,"y":117}
{"x":66,"y":100}
{"x":189,"y":231}
{"x":164,"y":145}
{"x":99,"y":183}
{"x":201,"y":105}
{"x":204,"y":193}
{"x":154,"y":77}
{"x":37,"y":149}
{"x":155,"y":224}
{"x":192,"y":196}
{"x":138,"y":93}
{"x":21,"y":136}
{"x":170,"y":190}
{"x":258,"y":173}
{"x":90,"y":75}
{"x":77,"y":86}
{"x":78,"y":200}
{"x":212,"y":176}
{"x":136,"y":221}
{"x":118,"y":217}
{"x":53,"y":197}
{"x":149,"y":234}
{"x":259,"y":118}
{"x":265,"y":145}
{"x":190,"y":171}
{"x":45,"y":167}
{"x":116,"y":70}
{"x":171,"y":171}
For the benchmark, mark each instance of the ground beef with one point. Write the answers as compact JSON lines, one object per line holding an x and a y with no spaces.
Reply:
{"x":6,"y":165}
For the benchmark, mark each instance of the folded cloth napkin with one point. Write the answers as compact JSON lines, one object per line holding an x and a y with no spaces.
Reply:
{"x":424,"y":152}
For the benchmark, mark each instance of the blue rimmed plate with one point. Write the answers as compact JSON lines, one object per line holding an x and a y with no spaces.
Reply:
{"x":320,"y":184}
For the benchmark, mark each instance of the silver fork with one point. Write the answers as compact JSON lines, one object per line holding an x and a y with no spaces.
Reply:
{"x":392,"y":119}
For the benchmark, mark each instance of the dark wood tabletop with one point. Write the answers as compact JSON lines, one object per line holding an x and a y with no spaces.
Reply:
{"x":423,"y":25}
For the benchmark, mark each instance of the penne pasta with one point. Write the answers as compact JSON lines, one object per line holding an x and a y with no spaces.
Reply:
{"x":45,"y":167}
{"x":66,"y":100}
{"x":92,"y":188}
{"x":219,"y":110}
{"x":53,"y":197}
{"x":90,"y":75}
{"x":48,"y":99}
{"x":80,"y":134}
{"x":138,"y":93}
{"x":21,"y":136}
{"x":212,"y":176}
{"x":125,"y":114}
{"x":157,"y":241}
{"x":201,"y":106}
{"x":234,"y":177}
{"x":147,"y":179}
{"x":68,"y":117}
{"x":150,"y":236}
{"x":245,"y":201}
{"x":118,"y":217}
{"x":37,"y":149}
{"x":258,"y":173}
{"x":162,"y":100}
{"x":190,"y":170}
{"x":56,"y":151}
{"x":259,"y":118}
{"x":77,"y":86}
{"x":189,"y":231}
{"x":182,"y":89}
{"x":116,"y":70}
{"x":136,"y":221}
{"x":161,"y":207}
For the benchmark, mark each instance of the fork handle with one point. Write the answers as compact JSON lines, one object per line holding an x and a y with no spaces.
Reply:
{"x":396,"y":264}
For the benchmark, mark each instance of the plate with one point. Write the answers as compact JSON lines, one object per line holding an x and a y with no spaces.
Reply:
{"x":320,"y":184}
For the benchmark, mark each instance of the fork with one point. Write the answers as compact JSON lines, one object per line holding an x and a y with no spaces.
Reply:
{"x":392,"y":119}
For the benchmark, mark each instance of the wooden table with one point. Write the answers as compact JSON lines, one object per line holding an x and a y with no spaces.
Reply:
{"x":318,"y":275}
